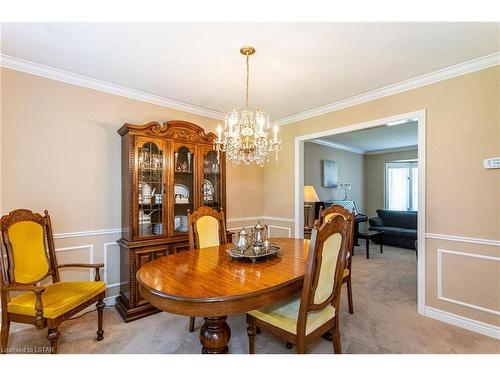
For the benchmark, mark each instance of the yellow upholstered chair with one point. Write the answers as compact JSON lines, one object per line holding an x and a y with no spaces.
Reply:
{"x":206,"y":228}
{"x":27,"y":257}
{"x":325,"y":215}
{"x":314,"y":311}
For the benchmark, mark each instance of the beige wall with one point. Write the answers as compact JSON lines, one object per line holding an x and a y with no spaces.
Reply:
{"x":60,"y":151}
{"x":463,"y":199}
{"x":351,"y":168}
{"x":375,"y":175}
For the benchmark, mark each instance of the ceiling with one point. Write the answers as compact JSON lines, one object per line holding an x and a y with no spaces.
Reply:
{"x":377,"y":138}
{"x":297,"y":67}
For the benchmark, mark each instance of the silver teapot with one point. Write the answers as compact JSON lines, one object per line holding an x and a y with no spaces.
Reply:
{"x":243,"y":240}
{"x":259,"y":234}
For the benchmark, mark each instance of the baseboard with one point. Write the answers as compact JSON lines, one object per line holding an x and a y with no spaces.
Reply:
{"x":110,"y":301}
{"x":463,"y":322}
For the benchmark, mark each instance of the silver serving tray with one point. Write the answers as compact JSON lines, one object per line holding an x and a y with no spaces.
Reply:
{"x":249,"y":254}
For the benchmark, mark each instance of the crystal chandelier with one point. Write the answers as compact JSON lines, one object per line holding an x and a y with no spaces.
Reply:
{"x":245,"y":136}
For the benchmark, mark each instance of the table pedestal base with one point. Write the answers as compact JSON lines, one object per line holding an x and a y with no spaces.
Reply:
{"x":215,"y":335}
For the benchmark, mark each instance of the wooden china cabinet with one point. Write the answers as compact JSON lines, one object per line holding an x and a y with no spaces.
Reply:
{"x":166,"y":170}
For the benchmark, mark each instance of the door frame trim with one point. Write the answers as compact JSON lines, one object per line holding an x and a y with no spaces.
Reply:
{"x":420,"y":116}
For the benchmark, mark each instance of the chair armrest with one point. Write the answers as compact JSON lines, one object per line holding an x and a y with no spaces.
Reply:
{"x":81,"y":265}
{"x":38,"y":290}
{"x":23,"y":288}
{"x":376,"y":222}
{"x":85,"y":265}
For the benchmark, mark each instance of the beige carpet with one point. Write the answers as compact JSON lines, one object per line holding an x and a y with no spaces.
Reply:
{"x":385,"y":320}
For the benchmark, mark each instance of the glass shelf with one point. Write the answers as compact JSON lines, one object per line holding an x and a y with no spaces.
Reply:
{"x":184,"y":182}
{"x":211,"y":184}
{"x":180,"y":172}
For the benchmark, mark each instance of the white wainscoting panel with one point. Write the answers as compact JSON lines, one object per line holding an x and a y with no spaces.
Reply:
{"x":262,"y":219}
{"x":270,"y":227}
{"x":75,"y":248}
{"x":440,"y":294}
{"x":108,"y":247}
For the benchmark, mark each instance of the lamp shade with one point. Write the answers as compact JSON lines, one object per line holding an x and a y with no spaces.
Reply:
{"x":310,"y":194}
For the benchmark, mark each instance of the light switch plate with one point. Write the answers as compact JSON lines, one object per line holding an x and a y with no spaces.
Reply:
{"x":491,"y":163}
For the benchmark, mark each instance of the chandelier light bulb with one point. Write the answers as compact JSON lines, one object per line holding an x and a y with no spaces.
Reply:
{"x":219,"y":133}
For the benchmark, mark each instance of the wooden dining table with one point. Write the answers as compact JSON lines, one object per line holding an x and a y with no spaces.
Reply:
{"x":209,"y":283}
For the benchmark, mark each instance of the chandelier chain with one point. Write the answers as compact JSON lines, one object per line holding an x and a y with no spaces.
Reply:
{"x":248,"y":80}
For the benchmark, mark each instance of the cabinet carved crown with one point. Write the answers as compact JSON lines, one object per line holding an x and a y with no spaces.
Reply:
{"x":181,"y":130}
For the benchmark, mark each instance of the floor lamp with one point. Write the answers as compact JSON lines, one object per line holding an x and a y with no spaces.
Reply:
{"x":310,"y":196}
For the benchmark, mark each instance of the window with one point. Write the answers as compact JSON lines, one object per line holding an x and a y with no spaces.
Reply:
{"x":401,"y":186}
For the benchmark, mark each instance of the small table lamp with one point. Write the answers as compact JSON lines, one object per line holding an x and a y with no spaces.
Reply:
{"x":309,"y":197}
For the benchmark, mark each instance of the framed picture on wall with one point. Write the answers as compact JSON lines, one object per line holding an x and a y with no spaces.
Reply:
{"x":329,"y":173}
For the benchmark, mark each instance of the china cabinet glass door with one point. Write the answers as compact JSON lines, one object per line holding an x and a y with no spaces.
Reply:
{"x":150,"y":171}
{"x":211,"y":184}
{"x":184,"y":182}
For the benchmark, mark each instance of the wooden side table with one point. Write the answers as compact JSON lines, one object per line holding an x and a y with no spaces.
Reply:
{"x":369,"y":235}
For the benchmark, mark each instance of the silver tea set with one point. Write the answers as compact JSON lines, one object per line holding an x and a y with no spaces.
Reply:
{"x":256,"y":241}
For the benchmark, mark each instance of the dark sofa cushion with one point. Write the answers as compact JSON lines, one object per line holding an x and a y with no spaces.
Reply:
{"x":389,"y":231}
{"x":376,"y":222}
{"x":409,"y":233}
{"x":399,"y":219}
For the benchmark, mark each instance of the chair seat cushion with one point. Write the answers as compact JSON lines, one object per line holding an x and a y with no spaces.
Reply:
{"x":57,"y":298}
{"x":284,"y":315}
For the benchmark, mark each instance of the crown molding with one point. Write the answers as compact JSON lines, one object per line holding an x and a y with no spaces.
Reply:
{"x":95,"y":84}
{"x":360,"y":151}
{"x":388,"y":150}
{"x":80,"y":80}
{"x":338,"y":146}
{"x":410,"y":84}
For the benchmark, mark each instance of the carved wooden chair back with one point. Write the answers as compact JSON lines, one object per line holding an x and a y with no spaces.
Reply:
{"x":335,"y":209}
{"x":326,"y":261}
{"x":207,"y":227}
{"x":28,"y":254}
{"x":325,"y":214}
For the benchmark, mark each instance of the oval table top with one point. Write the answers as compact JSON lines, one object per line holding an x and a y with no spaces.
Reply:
{"x":207,"y":282}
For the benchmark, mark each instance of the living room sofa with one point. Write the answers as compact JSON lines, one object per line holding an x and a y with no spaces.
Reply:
{"x":400,"y":227}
